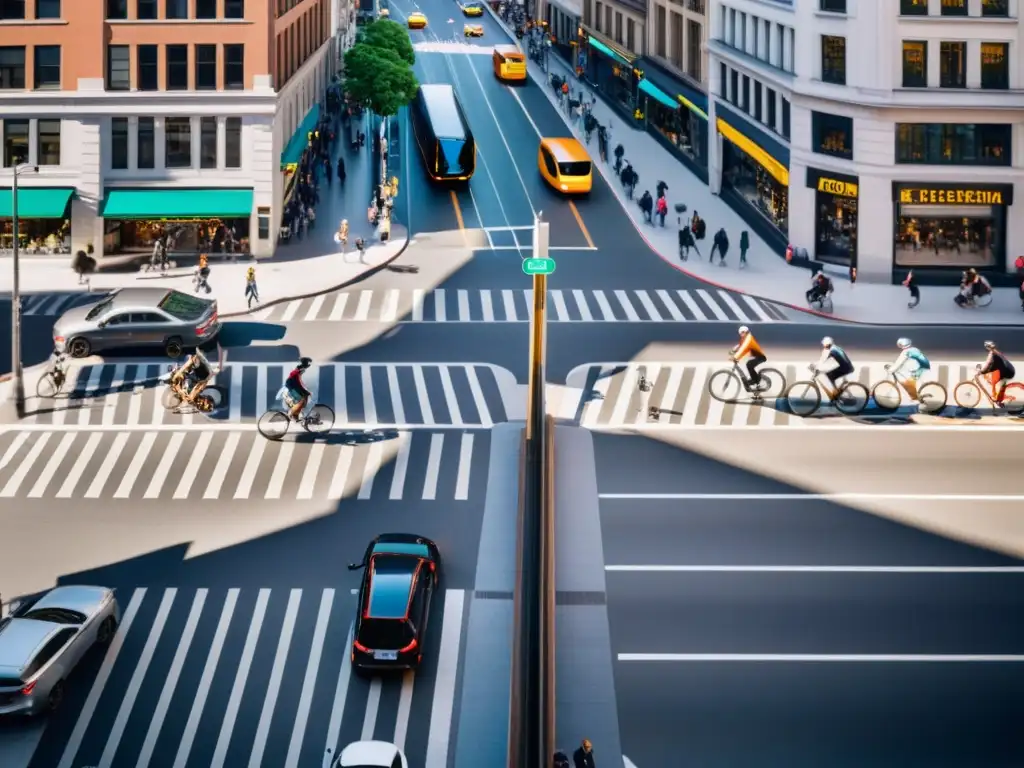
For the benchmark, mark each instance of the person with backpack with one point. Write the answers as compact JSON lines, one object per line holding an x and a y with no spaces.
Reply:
{"x":698,"y":228}
{"x":646,"y":204}
{"x":661,"y":208}
{"x":744,"y":247}
{"x":686,"y":242}
{"x":721,"y":244}
{"x":909,"y":367}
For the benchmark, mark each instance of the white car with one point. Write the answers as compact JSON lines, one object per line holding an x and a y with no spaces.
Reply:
{"x":371,"y":754}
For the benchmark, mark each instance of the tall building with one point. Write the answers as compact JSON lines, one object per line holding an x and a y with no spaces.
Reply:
{"x":876,"y":135}
{"x":140,"y":113}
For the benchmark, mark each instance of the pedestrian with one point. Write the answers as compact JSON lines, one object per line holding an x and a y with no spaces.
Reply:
{"x":686,"y":243}
{"x":341,"y":236}
{"x":341,"y":170}
{"x":251,"y":291}
{"x":646,"y":204}
{"x":662,"y":188}
{"x":561,"y":760}
{"x":602,"y":143}
{"x":584,"y":756}
{"x":744,"y":247}
{"x":915,"y":292}
{"x":360,"y":247}
{"x":620,"y":151}
{"x":721,"y":245}
{"x":662,"y":208}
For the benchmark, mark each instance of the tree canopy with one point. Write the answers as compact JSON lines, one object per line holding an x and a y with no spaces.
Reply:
{"x":379,"y":78}
{"x":391,"y":36}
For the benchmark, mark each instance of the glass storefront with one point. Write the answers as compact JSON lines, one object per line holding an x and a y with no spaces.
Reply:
{"x":43,"y":237}
{"x":188,"y":236}
{"x":685,"y":131}
{"x":676,"y":115}
{"x":611,"y":72}
{"x":835,"y":223}
{"x":749,"y":179}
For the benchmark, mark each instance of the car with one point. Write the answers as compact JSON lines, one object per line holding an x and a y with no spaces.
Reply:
{"x":42,"y":640}
{"x":473,"y":9}
{"x":400,"y":577}
{"x":371,"y":754}
{"x":384,"y":13}
{"x":138,"y":317}
{"x":417,"y":20}
{"x":473,"y":30}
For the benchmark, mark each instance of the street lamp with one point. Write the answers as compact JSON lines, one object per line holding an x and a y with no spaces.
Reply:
{"x":18,"y":390}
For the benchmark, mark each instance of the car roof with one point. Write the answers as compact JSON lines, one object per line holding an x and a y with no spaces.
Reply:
{"x":19,"y":640}
{"x":400,"y":548}
{"x":364,"y":753}
{"x":391,"y":579}
{"x":75,"y":597}
{"x":507,"y":50}
{"x":566,"y":150}
{"x":139,"y":298}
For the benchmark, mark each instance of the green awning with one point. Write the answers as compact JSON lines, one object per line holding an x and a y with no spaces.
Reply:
{"x":37,"y":202}
{"x":173,"y":204}
{"x":654,"y":91}
{"x":608,"y":51}
{"x":299,"y":140}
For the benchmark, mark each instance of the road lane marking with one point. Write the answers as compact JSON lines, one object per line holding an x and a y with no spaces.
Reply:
{"x":581,"y":303}
{"x":458,"y":217}
{"x":895,"y":569}
{"x":308,"y":683}
{"x":401,"y":467}
{"x":340,"y":696}
{"x":826,"y":658}
{"x":11,"y":489}
{"x":56,"y":459}
{"x":465,"y":462}
{"x":276,"y":675}
{"x":195,"y":463}
{"x":583,"y":227}
{"x":280,"y":471}
{"x":370,"y":714}
{"x":374,"y":460}
{"x":812,"y":496}
{"x":433,"y":467}
{"x":404,"y":709}
{"x":164,"y":467}
{"x":450,"y":398}
{"x":444,"y":680}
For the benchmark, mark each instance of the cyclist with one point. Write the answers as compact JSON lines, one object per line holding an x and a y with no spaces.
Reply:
{"x":830,"y":351}
{"x":748,"y":347}
{"x":821,"y":287}
{"x":914,"y":361}
{"x":298,"y":395}
{"x":199,"y":370}
{"x":998,"y":369}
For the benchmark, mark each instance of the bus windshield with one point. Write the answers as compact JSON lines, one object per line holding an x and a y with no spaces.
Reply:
{"x":451,"y":153}
{"x":578,"y":168}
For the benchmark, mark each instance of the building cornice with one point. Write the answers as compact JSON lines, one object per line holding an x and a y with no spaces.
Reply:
{"x":84,"y":103}
{"x":953,"y":99}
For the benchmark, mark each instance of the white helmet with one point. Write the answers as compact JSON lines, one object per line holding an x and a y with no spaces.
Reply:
{"x":827,"y":342}
{"x":903,"y":343}
{"x":744,"y":330}
{"x":990,"y":345}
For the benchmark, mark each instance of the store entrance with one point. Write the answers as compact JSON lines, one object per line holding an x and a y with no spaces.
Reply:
{"x":836,"y":229}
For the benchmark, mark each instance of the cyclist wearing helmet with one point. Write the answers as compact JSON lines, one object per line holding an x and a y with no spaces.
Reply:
{"x":297,"y":392}
{"x":830,"y":351}
{"x":199,"y":370}
{"x":998,"y":369}
{"x":748,"y":347}
{"x":909,"y":366}
{"x":821,"y":287}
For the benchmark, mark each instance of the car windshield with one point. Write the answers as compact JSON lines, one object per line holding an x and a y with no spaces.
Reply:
{"x":451,"y":151}
{"x":100,"y":309}
{"x":183,"y":306}
{"x":385,"y":634}
{"x":579,"y":168}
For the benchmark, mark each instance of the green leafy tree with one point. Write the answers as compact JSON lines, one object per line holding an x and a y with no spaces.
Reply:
{"x":391,"y":36}
{"x":379,"y":78}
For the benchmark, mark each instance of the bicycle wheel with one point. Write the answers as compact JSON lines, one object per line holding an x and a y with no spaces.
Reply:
{"x":852,"y":399}
{"x":725,"y":386}
{"x":47,"y":387}
{"x":984,"y":300}
{"x":803,"y":398}
{"x":273,"y":425}
{"x":1013,"y":400}
{"x":887,"y":395}
{"x":170,"y":399}
{"x":772,"y":384}
{"x":320,"y":419}
{"x":967,"y":394}
{"x":932,"y":397}
{"x":216,"y":395}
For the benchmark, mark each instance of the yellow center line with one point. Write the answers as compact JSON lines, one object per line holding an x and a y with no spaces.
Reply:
{"x":458,"y":217}
{"x":579,"y":220}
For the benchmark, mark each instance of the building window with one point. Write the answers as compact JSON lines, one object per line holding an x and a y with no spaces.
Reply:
{"x":146,"y":143}
{"x":630,"y":34}
{"x":47,"y":9}
{"x":233,"y":142}
{"x":234,"y":67}
{"x":48,"y":142}
{"x":263,"y":223}
{"x":148,"y":75}
{"x":995,"y":65}
{"x":178,"y":142}
{"x":618,"y":28}
{"x":953,"y":144}
{"x":119,"y":143}
{"x":734,"y":87}
{"x":598,"y":15}
{"x":117,"y":9}
{"x":954,"y":8}
{"x":177,"y":9}
{"x":832,"y":135}
{"x":694,"y":64}
{"x":234,"y":9}
{"x":952,"y":65}
{"x":995,"y":8}
{"x":119,"y":68}
{"x":785,"y":118}
{"x":146,"y":10}
{"x":206,"y":9}
{"x":12,"y":10}
{"x":723,"y":80}
{"x":769,"y":119}
{"x":745,"y":101}
{"x":206,"y":67}
{"x":660,"y":31}
{"x":833,"y":59}
{"x":915,"y":64}
{"x":913,"y":7}
{"x":208,"y":142}
{"x":15,"y":142}
{"x":12,"y":67}
{"x":757,"y":101}
{"x":47,"y":66}
{"x":177,"y":68}
{"x":833,"y":6}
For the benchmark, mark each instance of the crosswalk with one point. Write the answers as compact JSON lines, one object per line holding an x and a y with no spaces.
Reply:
{"x":361,"y":394}
{"x":607,"y":396}
{"x":51,"y":303}
{"x":182,"y":465}
{"x":516,"y":306}
{"x":218,"y":678}
{"x":520,"y":240}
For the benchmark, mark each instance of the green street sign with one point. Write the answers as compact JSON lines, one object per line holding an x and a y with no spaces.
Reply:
{"x":538,"y":266}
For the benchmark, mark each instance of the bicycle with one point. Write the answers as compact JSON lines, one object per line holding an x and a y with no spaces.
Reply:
{"x":888,"y":394}
{"x":804,"y":397}
{"x":728,"y":384}
{"x":274,"y":424}
{"x":967,"y":394}
{"x":52,"y":382}
{"x":821,"y":302}
{"x":176,"y":395}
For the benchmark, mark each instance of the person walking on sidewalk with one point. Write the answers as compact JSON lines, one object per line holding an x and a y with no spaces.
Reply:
{"x":602,"y":143}
{"x":721,"y":244}
{"x":915,"y":292}
{"x":646,"y":204}
{"x":620,"y":152}
{"x":341,"y":236}
{"x":662,"y":188}
{"x":662,"y":207}
{"x":629,"y":179}
{"x":744,"y":247}
{"x":584,"y":756}
{"x":251,"y":291}
{"x":341,"y":170}
{"x":328,"y":171}
{"x":686,"y":242}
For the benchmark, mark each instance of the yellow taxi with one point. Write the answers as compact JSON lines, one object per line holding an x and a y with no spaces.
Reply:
{"x":509,"y":63}
{"x":473,"y":30}
{"x":473,"y":9}
{"x":417,"y":20}
{"x":565,"y":165}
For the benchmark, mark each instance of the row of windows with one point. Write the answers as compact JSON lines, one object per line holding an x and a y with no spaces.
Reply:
{"x":953,"y":144}
{"x":764,"y":107}
{"x":299,"y":41}
{"x":177,"y":142}
{"x":684,"y":53}
{"x":774,"y":44}
{"x":601,"y":21}
{"x":176,"y":67}
{"x":14,"y":10}
{"x":997,"y":8}
{"x":994,"y":64}
{"x":45,"y":67}
{"x":17,"y":140}
{"x":148,"y":10}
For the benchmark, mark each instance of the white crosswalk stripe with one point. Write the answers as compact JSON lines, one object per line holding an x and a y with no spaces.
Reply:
{"x":183,"y":465}
{"x":508,"y":306}
{"x":236,"y":677}
{"x":607,"y":395}
{"x":362,"y":395}
{"x":52,"y":303}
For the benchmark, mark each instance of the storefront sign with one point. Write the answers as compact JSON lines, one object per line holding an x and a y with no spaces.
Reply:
{"x":951,"y":196}
{"x":766,"y":161}
{"x":835,"y":187}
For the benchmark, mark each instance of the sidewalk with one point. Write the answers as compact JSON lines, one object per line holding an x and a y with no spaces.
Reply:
{"x":767,"y":276}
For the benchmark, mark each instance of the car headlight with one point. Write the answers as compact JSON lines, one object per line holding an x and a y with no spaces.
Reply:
{"x":565,"y":187}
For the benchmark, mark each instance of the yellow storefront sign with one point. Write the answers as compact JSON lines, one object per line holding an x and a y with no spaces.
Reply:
{"x":951,"y":196}
{"x":766,"y":161}
{"x":834,"y":187}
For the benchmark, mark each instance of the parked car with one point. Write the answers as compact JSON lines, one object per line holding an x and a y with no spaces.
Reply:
{"x":43,"y":639}
{"x":417,"y":20}
{"x":138,"y":317}
{"x":371,"y":754}
{"x":473,"y":9}
{"x":473,"y":30}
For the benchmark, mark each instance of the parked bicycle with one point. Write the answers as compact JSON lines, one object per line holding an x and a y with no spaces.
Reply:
{"x":52,"y":382}
{"x":175,"y":397}
{"x":968,"y":394}
{"x":729,"y":384}
{"x":316,"y":419}
{"x":888,"y":394}
{"x":804,"y":397}
{"x":821,"y":302}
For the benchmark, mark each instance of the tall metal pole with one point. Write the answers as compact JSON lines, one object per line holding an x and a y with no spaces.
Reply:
{"x":538,"y":333}
{"x":18,"y":390}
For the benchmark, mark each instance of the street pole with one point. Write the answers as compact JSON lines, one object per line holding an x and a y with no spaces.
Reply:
{"x":18,"y":389}
{"x":538,"y":334}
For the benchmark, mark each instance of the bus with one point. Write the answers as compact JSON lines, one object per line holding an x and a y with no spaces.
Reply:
{"x":442,"y":133}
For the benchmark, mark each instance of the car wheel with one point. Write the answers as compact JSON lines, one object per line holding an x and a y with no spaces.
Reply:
{"x":173,"y":348}
{"x":106,"y":631}
{"x":79,"y":347}
{"x":56,"y":697}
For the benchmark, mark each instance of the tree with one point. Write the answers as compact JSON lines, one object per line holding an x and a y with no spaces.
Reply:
{"x":379,"y":78}
{"x":391,"y":36}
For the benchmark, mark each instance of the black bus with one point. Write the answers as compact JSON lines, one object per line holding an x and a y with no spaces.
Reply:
{"x":442,"y":134}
